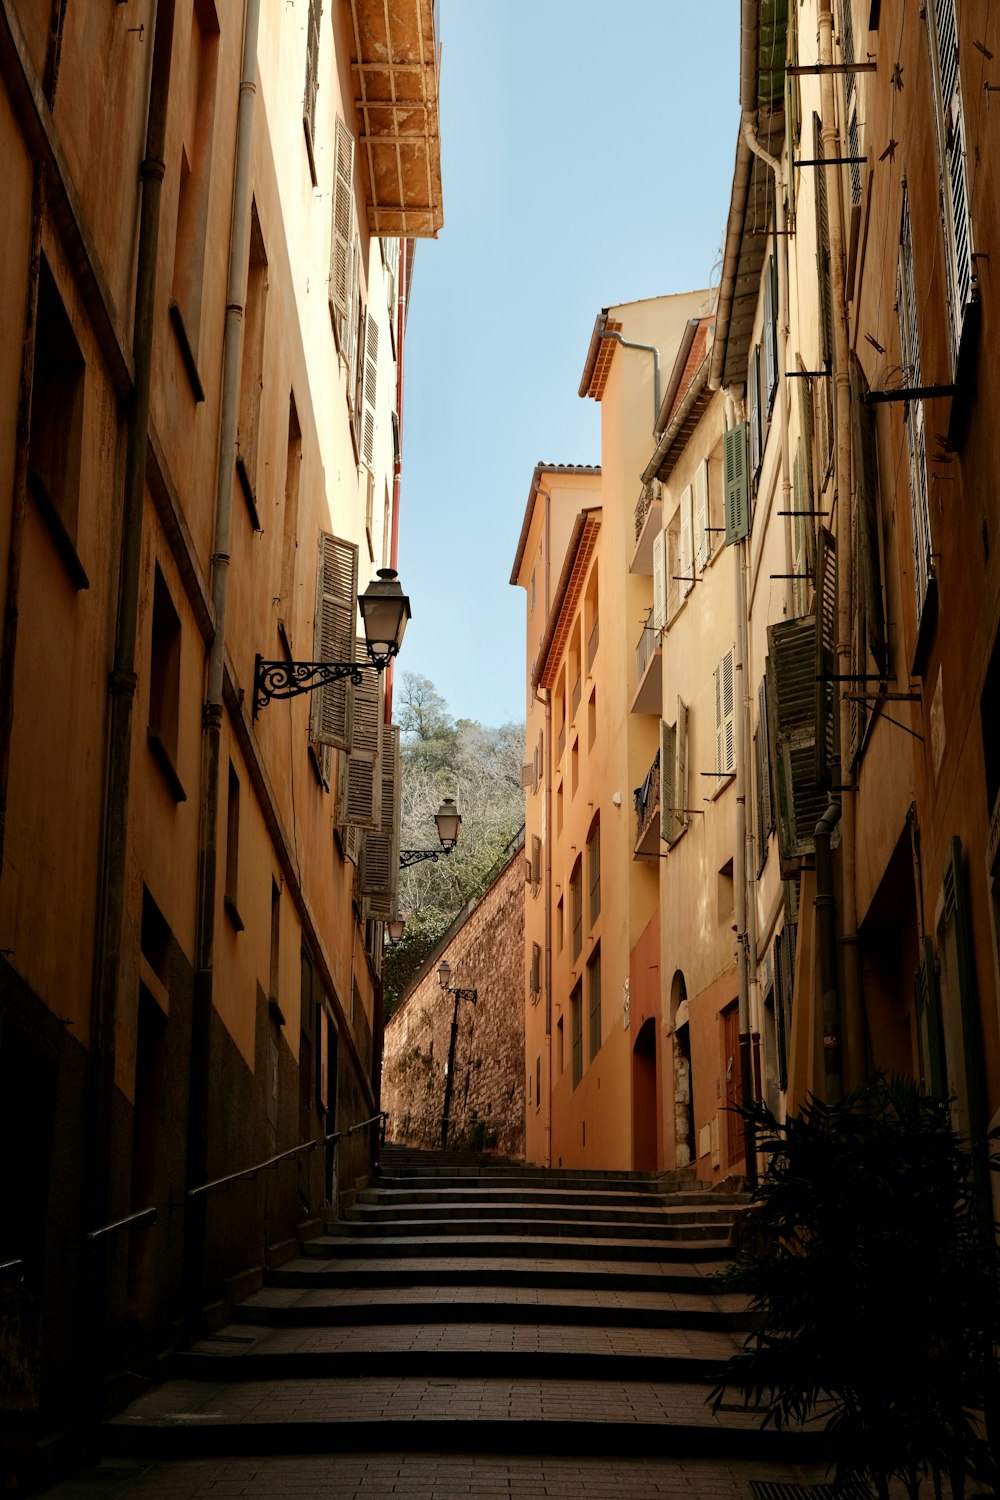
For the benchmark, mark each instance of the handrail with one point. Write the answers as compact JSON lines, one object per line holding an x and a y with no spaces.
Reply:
{"x":10,"y":1265}
{"x":303,"y":1149}
{"x":137,"y":1218}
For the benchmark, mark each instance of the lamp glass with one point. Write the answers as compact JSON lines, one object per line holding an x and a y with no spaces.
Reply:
{"x":444,"y":973}
{"x":395,"y":928}
{"x":385,"y":610}
{"x":449,"y":821}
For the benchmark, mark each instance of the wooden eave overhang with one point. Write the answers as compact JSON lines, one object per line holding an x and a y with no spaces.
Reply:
{"x":394,"y":64}
{"x":529,"y":509}
{"x":582,"y":542}
{"x":749,"y":223}
{"x":599,"y":356}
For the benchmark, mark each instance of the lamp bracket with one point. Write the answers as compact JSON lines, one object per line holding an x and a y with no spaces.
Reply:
{"x":408,"y":857}
{"x":287,"y":679}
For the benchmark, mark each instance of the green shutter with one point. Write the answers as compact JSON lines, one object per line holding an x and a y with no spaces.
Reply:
{"x":791,"y":688}
{"x":827,"y":700}
{"x":736,"y":489}
{"x":668,"y":754}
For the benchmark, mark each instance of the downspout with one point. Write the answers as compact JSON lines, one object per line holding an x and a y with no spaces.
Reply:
{"x":397,"y":466}
{"x":826,"y":922}
{"x":852,"y":1018}
{"x":548,"y":842}
{"x":743,"y":954}
{"x":236,"y":289}
{"x":122,"y":681}
{"x":646,"y":349}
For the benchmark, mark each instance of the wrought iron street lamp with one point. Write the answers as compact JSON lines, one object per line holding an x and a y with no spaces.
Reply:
{"x":444,"y":979}
{"x":449,"y":822}
{"x":385,"y":610}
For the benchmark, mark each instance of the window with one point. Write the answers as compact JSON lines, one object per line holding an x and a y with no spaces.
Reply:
{"x":594,"y":869}
{"x":290,"y":522}
{"x":576,"y":1025}
{"x":949,"y":120}
{"x":673,"y":775}
{"x":535,"y":863}
{"x":592,"y":720}
{"x":342,"y":240}
{"x":538,"y":1082}
{"x":165,"y":684}
{"x":252,"y":370}
{"x":230,"y":894}
{"x":770,"y":333}
{"x":576,"y":908}
{"x":574,"y":766}
{"x":913,"y":412}
{"x":535,"y":978}
{"x":199,"y":90}
{"x":762,"y":778}
{"x":333,"y":638}
{"x":560,"y":1047}
{"x":685,"y":554}
{"x":591,"y":615}
{"x":594,"y":1002}
{"x":275,"y":964}
{"x":753,"y":409}
{"x":725,"y":720}
{"x":702,"y":519}
{"x":368,"y":390}
{"x":559,"y":808}
{"x":312,"y":82}
{"x":824,"y":387}
{"x":55,"y":438}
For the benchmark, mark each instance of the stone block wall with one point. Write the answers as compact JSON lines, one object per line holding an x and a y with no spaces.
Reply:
{"x":485,"y":947}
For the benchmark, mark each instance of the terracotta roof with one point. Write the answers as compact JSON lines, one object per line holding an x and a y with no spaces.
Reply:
{"x":686,"y":401}
{"x":567,"y":596}
{"x":540,"y":469}
{"x":599,"y":356}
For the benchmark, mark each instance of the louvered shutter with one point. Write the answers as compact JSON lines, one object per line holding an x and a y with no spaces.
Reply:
{"x":361,"y":770}
{"x":379,"y":873}
{"x":725,"y":717}
{"x":659,"y":618}
{"x":827,"y":716}
{"x":685,"y":561}
{"x":793,"y":106}
{"x":681,"y":766}
{"x":960,"y":1002}
{"x":735,"y":479}
{"x":791,"y":690}
{"x":753,"y":410}
{"x":909,"y":334}
{"x":867,"y":515}
{"x":822,"y":249}
{"x":668,"y":754}
{"x":934,"y":1078}
{"x":312,"y":66}
{"x":954,"y":196}
{"x":369,"y":402}
{"x":342,"y":232}
{"x":702,"y":519}
{"x":349,"y":347}
{"x":333,"y":638}
{"x":762,"y":772}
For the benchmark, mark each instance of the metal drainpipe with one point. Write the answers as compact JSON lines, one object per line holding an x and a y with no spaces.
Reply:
{"x":397,"y":468}
{"x":782,"y":399}
{"x":826,"y":922}
{"x":647,"y":349}
{"x":547,"y":700}
{"x":740,"y":850}
{"x":122,"y":683}
{"x":852,"y":1019}
{"x":200,"y":1082}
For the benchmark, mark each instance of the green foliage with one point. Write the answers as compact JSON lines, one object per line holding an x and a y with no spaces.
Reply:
{"x":482,"y":769}
{"x":877,"y":1283}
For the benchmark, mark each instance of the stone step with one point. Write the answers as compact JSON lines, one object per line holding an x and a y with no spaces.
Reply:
{"x":652,"y":1215}
{"x":434,"y":1263}
{"x":192,"y":1418}
{"x":508,"y":1193}
{"x":530,"y":1230}
{"x":543,"y":1177}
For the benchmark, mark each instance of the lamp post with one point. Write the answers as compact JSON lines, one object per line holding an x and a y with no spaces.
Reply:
{"x":385,"y":610}
{"x":444,"y":977}
{"x":449,"y":822}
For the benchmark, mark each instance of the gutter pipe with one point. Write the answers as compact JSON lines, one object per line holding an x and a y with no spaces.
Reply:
{"x":853,"y":1024}
{"x":646,"y":349}
{"x":236,"y":290}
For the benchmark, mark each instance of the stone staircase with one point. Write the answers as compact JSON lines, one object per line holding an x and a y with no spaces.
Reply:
{"x":465,"y":1305}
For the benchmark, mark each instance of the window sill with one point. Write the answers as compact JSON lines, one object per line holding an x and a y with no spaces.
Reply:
{"x":724,"y":781}
{"x":246,"y":485}
{"x":57,"y":530}
{"x":231,"y":912}
{"x":187,"y":353}
{"x":165,"y":762}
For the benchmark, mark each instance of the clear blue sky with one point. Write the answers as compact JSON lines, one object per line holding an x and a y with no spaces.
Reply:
{"x":587,"y":157}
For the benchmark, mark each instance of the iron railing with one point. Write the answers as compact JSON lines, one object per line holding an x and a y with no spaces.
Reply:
{"x":644,"y":651}
{"x":219,"y":1184}
{"x":647,"y":798}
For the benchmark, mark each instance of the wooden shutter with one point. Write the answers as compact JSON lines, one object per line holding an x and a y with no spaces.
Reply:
{"x":685,"y":560}
{"x":659,"y":618}
{"x":379,"y":873}
{"x":770,"y":331}
{"x":736,"y":490}
{"x":333,"y":638}
{"x":702,"y":519}
{"x":827,"y":715}
{"x":934,"y":1079}
{"x":668,"y":757}
{"x":361,"y":769}
{"x":725,"y":717}
{"x":535,"y":980}
{"x":960,"y":1002}
{"x":909,"y":334}
{"x":753,"y":410}
{"x":681,"y":766}
{"x":369,"y":402}
{"x":950,"y":120}
{"x":312,"y":66}
{"x":791,"y":690}
{"x":762,"y":772}
{"x":349,"y":347}
{"x":342,"y":235}
{"x":869,"y":583}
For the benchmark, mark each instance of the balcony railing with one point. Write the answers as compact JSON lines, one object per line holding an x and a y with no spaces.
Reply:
{"x":649,"y":495}
{"x":648,"y":642}
{"x":647,"y":800}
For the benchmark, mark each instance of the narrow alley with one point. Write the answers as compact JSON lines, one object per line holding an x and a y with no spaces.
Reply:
{"x":509,"y":1331}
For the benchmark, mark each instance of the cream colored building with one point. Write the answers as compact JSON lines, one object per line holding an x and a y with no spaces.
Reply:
{"x":207,"y":240}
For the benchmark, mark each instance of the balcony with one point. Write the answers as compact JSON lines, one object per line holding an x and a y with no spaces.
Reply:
{"x":648,"y":521}
{"x":648,"y":696}
{"x":647,"y":814}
